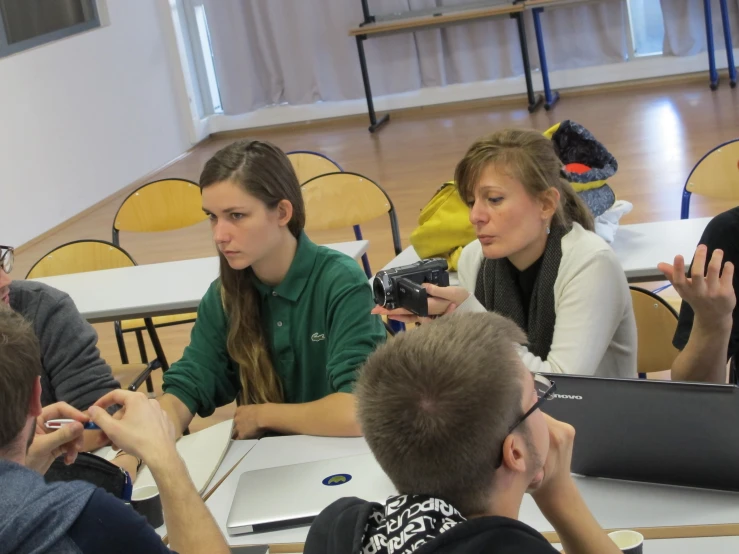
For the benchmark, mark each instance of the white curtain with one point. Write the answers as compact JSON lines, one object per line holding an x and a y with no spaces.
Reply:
{"x":685,"y":26}
{"x":299,"y":52}
{"x":585,"y":35}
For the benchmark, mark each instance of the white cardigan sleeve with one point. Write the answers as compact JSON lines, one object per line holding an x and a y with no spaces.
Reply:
{"x":590,"y":307}
{"x":468,"y":267}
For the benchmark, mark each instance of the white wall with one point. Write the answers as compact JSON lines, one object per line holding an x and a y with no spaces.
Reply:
{"x":85,"y":116}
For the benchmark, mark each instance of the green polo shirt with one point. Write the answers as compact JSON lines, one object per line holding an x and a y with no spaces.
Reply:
{"x":318,"y":326}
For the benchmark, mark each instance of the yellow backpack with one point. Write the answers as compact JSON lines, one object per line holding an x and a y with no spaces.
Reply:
{"x":444,"y":227}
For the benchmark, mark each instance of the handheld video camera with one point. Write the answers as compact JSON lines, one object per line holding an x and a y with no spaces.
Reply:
{"x":402,"y":287}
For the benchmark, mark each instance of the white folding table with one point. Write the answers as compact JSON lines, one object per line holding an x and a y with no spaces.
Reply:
{"x":152,"y":289}
{"x":639,"y":247}
{"x":657,"y":511}
{"x":707,"y":545}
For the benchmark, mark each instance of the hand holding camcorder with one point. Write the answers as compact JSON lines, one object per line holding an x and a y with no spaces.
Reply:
{"x":402,"y":287}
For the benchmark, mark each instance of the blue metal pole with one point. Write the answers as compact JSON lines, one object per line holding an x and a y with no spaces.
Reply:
{"x":727,"y":39}
{"x":710,"y":46}
{"x":549,"y":98}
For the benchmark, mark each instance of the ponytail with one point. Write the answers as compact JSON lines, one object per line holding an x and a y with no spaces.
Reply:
{"x":572,"y":208}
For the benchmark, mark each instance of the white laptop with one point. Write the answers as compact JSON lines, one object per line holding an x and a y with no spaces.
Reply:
{"x":292,"y":496}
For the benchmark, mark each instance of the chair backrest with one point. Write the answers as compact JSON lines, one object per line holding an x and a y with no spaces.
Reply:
{"x":80,"y":256}
{"x":656,"y":322}
{"x":716,"y":175}
{"x":308,"y":165}
{"x":345,"y":199}
{"x":163,"y":205}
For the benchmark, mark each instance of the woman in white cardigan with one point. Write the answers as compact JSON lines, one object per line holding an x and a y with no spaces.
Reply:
{"x":538,"y":262}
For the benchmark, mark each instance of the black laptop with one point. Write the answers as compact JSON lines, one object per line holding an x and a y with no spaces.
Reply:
{"x":654,"y":431}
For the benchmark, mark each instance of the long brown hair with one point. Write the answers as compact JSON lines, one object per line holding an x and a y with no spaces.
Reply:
{"x":265,"y":172}
{"x":530,"y":158}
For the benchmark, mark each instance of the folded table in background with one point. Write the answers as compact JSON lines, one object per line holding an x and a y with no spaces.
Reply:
{"x":152,"y":289}
{"x":639,"y":247}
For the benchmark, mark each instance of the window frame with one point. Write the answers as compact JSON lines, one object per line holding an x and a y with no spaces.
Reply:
{"x":633,"y":54}
{"x":198,"y":64}
{"x":10,"y":49}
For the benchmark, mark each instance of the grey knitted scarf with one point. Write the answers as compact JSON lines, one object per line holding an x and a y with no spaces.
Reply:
{"x":496,"y":290}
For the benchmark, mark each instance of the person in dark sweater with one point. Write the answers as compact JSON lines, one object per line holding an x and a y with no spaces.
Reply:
{"x":73,"y":371}
{"x":76,"y":517}
{"x":707,"y":333}
{"x":452,"y":415}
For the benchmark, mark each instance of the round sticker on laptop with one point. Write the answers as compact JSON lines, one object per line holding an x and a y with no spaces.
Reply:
{"x":338,"y":479}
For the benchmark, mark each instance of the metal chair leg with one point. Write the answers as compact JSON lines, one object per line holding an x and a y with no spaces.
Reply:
{"x":144,"y":359}
{"x":396,"y":326}
{"x":365,"y":259}
{"x":121,"y":342}
{"x":156,"y":344}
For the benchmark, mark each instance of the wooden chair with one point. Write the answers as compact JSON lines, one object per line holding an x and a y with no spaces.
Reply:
{"x":163,"y":205}
{"x":656,"y":322}
{"x":94,"y":255}
{"x":345,"y":199}
{"x":716,"y":175}
{"x":308,"y":165}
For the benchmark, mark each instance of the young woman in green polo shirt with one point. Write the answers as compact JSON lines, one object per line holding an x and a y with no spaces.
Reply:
{"x":287,"y":325}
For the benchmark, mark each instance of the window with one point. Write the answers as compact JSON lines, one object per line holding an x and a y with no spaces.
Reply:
{"x":647,"y":27}
{"x":209,"y":67}
{"x":191,"y":26}
{"x":28,"y":23}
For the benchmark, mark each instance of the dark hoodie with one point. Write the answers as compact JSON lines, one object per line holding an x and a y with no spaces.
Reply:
{"x":67,"y":518}
{"x":418,"y":525}
{"x":34,"y":516}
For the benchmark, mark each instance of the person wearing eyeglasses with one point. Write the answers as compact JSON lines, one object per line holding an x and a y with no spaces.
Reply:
{"x":73,"y":370}
{"x":452,"y":415}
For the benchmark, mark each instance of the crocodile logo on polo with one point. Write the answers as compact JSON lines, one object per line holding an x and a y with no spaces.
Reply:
{"x":338,"y":479}
{"x":318,"y":337}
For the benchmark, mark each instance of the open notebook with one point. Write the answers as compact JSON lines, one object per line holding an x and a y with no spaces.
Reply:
{"x":201,"y":451}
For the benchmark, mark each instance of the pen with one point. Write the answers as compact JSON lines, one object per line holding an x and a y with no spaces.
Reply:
{"x":57,"y":424}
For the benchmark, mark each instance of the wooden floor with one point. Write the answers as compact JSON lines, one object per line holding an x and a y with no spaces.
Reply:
{"x":656,"y":133}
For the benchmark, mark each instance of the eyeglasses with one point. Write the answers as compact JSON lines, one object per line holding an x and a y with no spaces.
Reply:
{"x":544,"y":391}
{"x":7,"y":257}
